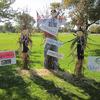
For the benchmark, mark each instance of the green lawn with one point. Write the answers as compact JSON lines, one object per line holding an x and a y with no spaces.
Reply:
{"x":16,"y":86}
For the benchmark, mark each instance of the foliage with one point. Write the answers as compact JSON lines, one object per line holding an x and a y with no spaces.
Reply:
{"x":55,"y":5}
{"x":24,"y":20}
{"x":87,"y":11}
{"x":94,"y":28}
{"x":5,"y":10}
{"x":67,"y":3}
{"x":8,"y":27}
{"x":83,"y":14}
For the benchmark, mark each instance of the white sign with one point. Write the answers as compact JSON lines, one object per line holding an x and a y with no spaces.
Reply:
{"x":50,"y":26}
{"x":54,"y":54}
{"x":53,"y":42}
{"x":94,"y":63}
{"x":7,"y":58}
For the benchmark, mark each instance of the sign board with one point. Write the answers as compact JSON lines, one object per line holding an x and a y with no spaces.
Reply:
{"x":7,"y":58}
{"x":50,"y":26}
{"x":54,"y":54}
{"x":53,"y":42}
{"x":94,"y":63}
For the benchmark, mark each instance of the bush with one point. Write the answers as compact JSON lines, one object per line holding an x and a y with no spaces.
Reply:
{"x":95,"y":28}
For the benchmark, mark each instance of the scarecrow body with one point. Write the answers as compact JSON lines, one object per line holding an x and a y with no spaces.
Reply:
{"x":51,"y":62}
{"x":80,"y":53}
{"x":24,"y":43}
{"x":80,"y":47}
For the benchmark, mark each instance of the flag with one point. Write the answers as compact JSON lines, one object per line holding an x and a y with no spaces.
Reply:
{"x":42,"y":16}
{"x":38,"y":17}
{"x":62,"y":20}
{"x":47,"y":14}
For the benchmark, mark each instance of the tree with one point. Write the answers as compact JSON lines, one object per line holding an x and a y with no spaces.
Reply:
{"x":25,"y":20}
{"x":1,"y":28}
{"x":84,"y":13}
{"x":68,"y":3}
{"x":5,"y":10}
{"x":94,"y":28}
{"x":8,"y":27}
{"x":87,"y":11}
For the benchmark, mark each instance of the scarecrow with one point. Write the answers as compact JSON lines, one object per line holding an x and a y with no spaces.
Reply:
{"x":25,"y":41}
{"x":51,"y":62}
{"x":80,"y":52}
{"x":80,"y":41}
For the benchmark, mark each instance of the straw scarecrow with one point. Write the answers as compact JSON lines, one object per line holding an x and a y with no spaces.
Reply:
{"x":51,"y":62}
{"x":25,"y":42}
{"x":80,"y":41}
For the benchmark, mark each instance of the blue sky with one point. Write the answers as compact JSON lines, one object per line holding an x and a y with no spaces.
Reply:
{"x":33,"y":5}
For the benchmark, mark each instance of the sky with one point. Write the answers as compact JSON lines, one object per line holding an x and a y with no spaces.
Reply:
{"x":33,"y":5}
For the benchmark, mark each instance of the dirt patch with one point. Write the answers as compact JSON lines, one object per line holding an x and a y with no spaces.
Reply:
{"x":23,"y":72}
{"x":40,"y":72}
{"x":43,"y":72}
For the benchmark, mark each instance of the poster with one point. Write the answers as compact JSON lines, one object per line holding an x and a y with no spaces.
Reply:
{"x":94,"y":63}
{"x":7,"y":58}
{"x":51,"y":26}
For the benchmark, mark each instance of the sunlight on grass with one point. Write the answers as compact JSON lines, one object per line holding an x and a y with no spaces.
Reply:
{"x":16,"y":86}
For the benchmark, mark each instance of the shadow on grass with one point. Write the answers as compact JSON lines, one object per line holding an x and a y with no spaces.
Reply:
{"x":95,"y":52}
{"x":51,"y":88}
{"x":12,"y":86}
{"x":18,"y":59}
{"x":35,"y":62}
{"x":35,"y":59}
{"x":90,"y":86}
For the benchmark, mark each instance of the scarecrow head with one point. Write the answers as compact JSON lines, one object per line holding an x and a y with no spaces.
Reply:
{"x":80,"y":33}
{"x":54,"y":13}
{"x":25,"y":32}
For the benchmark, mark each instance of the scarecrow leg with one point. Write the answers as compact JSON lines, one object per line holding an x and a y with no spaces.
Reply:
{"x":25,"y":61}
{"x":78,"y":68}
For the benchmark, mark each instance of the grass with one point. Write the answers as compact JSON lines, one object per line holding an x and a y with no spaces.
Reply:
{"x":16,"y":86}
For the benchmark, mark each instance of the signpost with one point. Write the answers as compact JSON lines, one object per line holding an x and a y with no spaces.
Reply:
{"x":7,"y":58}
{"x":54,"y":54}
{"x":53,"y":42}
{"x":94,"y":63}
